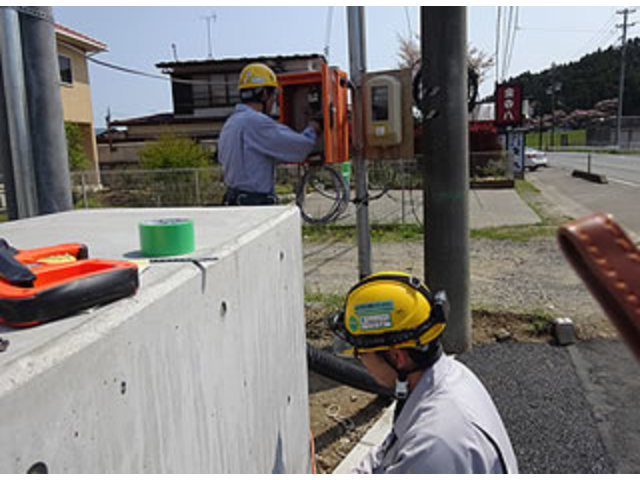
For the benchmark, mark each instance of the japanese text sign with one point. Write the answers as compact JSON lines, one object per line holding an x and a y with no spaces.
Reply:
{"x":508,"y":105}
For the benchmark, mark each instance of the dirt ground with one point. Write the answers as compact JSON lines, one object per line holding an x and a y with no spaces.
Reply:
{"x":516,"y":289}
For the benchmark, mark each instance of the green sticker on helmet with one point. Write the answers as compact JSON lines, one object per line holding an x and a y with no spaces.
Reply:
{"x":375,"y":315}
{"x":353,"y":323}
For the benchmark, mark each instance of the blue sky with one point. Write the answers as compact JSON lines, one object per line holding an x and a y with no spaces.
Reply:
{"x":140,"y":37}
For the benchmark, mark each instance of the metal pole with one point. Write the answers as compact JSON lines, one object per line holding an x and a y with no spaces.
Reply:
{"x":358,"y":67}
{"x":42,"y":78}
{"x":197,"y":186}
{"x":446,"y":172}
{"x":15,"y":99}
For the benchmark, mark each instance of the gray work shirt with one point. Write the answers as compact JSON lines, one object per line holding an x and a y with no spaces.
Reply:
{"x":250,"y":145}
{"x":449,"y":424}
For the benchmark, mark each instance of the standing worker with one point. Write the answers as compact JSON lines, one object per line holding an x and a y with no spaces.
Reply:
{"x":251,"y":142}
{"x":445,"y":420}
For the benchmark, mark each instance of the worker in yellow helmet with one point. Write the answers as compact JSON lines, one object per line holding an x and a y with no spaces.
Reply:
{"x":445,"y":420}
{"x":251,"y":142}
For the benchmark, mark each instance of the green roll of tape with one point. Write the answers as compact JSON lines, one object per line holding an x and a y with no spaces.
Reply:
{"x":166,"y":236}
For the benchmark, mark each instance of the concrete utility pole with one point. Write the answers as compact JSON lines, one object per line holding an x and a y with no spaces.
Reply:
{"x":446,"y":165}
{"x":625,"y":14}
{"x":42,"y":77}
{"x":358,"y":67}
{"x":21,"y":185}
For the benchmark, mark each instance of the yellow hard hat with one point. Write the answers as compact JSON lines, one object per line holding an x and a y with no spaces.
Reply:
{"x":389,"y":309}
{"x":257,"y":75}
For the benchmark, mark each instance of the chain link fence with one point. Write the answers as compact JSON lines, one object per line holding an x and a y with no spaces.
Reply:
{"x":391,"y":182}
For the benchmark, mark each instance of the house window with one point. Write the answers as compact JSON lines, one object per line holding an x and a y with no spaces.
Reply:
{"x":66,"y":74}
{"x":215,"y":90}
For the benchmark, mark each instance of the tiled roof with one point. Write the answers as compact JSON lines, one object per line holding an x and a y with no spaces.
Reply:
{"x":167,"y":118}
{"x":92,"y":43}
{"x":184,"y":63}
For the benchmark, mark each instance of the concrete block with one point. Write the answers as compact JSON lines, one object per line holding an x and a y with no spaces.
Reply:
{"x":564,"y":331}
{"x":592,"y":177}
{"x":181,"y":377}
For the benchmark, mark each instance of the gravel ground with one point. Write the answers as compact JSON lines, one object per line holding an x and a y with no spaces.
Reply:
{"x":519,"y":277}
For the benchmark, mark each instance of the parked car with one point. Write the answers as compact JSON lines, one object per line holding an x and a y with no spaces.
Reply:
{"x":534,"y":158}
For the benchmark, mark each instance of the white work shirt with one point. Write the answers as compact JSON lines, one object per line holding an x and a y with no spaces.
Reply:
{"x":449,"y":424}
{"x":250,"y":145}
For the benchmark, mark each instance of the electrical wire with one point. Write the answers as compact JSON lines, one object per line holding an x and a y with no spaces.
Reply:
{"x":513,"y":40}
{"x":505,"y":42}
{"x":498,"y":26}
{"x":141,"y":73}
{"x":406,"y":14}
{"x":599,"y":35}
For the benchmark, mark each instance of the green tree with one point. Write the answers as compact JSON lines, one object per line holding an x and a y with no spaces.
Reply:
{"x":78,"y":159}
{"x":171,"y":151}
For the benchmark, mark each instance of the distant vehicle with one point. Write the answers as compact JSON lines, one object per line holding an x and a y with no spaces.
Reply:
{"x":533,"y":159}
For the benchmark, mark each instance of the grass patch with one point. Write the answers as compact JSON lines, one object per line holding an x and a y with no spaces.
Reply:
{"x":547,"y":227}
{"x":329,"y":301}
{"x":516,"y":233}
{"x":379,"y":233}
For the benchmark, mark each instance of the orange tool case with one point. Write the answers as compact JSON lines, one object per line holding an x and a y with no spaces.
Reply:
{"x":34,"y":291}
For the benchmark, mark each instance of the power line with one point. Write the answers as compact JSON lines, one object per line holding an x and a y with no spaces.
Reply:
{"x":560,"y":29}
{"x":409,"y":31}
{"x":141,"y":73}
{"x":506,"y":40}
{"x":598,"y":36}
{"x":513,"y":38}
{"x":498,"y":26}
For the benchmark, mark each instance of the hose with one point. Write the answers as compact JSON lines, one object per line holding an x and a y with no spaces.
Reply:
{"x":342,"y":371}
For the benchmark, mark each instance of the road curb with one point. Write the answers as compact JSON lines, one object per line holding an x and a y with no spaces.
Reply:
{"x":592,"y":177}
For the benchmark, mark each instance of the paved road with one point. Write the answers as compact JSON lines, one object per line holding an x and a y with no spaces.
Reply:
{"x":622,"y":169}
{"x":577,"y":197}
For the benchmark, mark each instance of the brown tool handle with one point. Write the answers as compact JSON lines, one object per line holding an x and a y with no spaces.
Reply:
{"x":608,"y":262}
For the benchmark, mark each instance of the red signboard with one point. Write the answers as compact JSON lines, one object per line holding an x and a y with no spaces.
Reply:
{"x":508,"y":105}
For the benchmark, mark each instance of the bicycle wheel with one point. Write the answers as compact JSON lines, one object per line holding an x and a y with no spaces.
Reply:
{"x":322,"y":195}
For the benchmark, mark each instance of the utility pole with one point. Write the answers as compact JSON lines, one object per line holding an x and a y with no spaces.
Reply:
{"x":21,"y":185}
{"x":625,"y":14}
{"x":358,"y":67}
{"x":209,"y":18}
{"x":46,"y":118}
{"x":446,"y":166}
{"x":551,"y":90}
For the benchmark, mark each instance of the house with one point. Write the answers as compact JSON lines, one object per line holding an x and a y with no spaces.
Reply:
{"x":204,"y":93}
{"x":73,"y":48}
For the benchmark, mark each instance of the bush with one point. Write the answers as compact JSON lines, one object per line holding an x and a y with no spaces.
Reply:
{"x":78,"y":159}
{"x":170,"y":151}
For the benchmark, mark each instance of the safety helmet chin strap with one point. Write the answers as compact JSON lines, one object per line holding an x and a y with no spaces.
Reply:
{"x":402,"y":382}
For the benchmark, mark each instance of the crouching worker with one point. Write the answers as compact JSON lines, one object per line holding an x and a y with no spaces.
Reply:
{"x":445,"y":420}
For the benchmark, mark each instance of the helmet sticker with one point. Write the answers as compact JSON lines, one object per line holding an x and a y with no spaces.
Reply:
{"x":376,"y":322}
{"x":353,"y":323}
{"x":375,"y":315}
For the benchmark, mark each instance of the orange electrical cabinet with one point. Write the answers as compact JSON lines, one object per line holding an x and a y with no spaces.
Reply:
{"x":321,"y":96}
